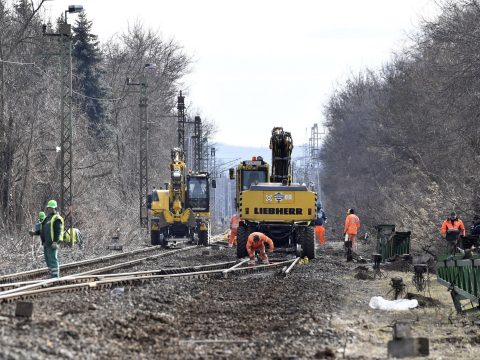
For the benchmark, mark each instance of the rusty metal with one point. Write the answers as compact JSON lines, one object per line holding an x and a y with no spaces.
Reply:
{"x":377,"y":272}
{"x":398,"y":287}
{"x":420,"y":278}
{"x":126,"y":280}
{"x":43,"y":271}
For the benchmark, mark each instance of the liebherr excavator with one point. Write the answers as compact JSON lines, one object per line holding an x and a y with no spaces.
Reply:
{"x":182,"y":210}
{"x":274,"y":205}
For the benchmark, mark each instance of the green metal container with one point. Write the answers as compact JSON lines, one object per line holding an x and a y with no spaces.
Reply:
{"x":462,"y":276}
{"x":390,"y":242}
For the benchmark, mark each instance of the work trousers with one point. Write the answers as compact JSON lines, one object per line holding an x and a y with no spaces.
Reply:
{"x":232,"y":240}
{"x":353,"y":239}
{"x":320,"y":234}
{"x":51,"y":258}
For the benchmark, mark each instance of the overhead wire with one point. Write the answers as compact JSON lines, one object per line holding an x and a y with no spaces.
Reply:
{"x":16,"y":62}
{"x":45,"y":74}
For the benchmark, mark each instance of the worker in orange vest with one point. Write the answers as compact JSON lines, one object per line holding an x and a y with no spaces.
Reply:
{"x":234,"y":221}
{"x":452,"y":228}
{"x":352,"y":225}
{"x":256,"y":242}
{"x":453,"y":223}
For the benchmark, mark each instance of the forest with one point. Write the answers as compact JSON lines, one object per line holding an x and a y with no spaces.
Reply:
{"x":105,"y":115}
{"x":402,"y":147}
{"x":403,"y":143}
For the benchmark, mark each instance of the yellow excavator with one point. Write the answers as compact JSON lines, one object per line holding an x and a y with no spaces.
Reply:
{"x":183,"y":209}
{"x":274,"y":205}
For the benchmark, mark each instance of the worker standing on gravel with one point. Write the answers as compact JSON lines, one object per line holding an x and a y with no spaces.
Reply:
{"x":52,"y":231}
{"x":452,"y":224}
{"x":38,"y":227}
{"x":256,"y":242}
{"x":38,"y":224}
{"x":234,"y":221}
{"x":451,"y":228}
{"x":475,"y":228}
{"x":352,"y":225}
{"x":320,"y":221}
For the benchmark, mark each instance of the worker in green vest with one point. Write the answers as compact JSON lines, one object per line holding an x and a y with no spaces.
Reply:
{"x":38,"y":226}
{"x":52,"y":234}
{"x":72,"y":240}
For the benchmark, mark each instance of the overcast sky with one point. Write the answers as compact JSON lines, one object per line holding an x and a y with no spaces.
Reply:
{"x":265,"y":63}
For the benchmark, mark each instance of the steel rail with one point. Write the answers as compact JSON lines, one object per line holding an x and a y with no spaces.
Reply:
{"x":287,"y":270}
{"x":48,"y":282}
{"x":225,"y":272}
{"x":36,"y":272}
{"x":133,"y":280}
{"x":42,"y":271}
{"x":87,"y":278}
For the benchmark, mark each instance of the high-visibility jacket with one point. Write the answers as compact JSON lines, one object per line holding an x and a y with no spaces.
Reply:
{"x":73,"y":239}
{"x":260,"y":244}
{"x":352,"y":224}
{"x":234,"y":221}
{"x":52,"y":228}
{"x":456,"y":224}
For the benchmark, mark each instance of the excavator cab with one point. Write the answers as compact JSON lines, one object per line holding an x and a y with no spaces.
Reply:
{"x":198,"y":192}
{"x":253,"y":177}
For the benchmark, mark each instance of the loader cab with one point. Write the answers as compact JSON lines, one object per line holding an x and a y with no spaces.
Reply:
{"x":198,"y":192}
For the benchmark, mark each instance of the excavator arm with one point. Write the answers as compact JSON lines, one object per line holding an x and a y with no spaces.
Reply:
{"x":281,"y":144}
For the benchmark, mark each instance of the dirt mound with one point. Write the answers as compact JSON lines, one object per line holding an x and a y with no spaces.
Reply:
{"x":423,"y":301}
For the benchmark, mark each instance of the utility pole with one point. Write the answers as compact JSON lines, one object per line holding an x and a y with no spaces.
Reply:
{"x":314,"y":157}
{"x":181,"y":122}
{"x":213,"y":177}
{"x":197,"y":136}
{"x":66,"y":120}
{"x":143,"y":141}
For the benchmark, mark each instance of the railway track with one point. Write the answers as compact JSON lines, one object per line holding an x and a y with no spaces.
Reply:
{"x":85,"y":282}
{"x":32,"y":274}
{"x":122,"y":265}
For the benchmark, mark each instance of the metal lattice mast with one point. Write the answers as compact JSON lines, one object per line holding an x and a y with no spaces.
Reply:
{"x":66,"y":127}
{"x":66,"y":120}
{"x":197,"y":136}
{"x":143,"y":141}
{"x":181,"y":122}
{"x":213,"y":176}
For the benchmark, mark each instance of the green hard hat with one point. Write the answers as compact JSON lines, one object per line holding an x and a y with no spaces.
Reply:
{"x":41,"y":215}
{"x":52,"y":204}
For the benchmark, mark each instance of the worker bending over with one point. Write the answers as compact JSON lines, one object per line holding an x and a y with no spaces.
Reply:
{"x":256,"y":242}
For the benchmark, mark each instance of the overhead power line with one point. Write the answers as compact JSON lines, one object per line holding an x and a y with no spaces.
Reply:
{"x":16,"y":62}
{"x":45,"y":74}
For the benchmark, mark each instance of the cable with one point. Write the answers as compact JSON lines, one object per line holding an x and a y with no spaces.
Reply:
{"x":16,"y":62}
{"x":73,"y":91}
{"x":95,"y":98}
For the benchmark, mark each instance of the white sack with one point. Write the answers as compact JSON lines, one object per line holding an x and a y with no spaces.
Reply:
{"x":378,"y":302}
